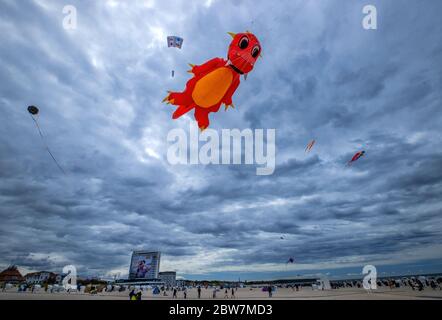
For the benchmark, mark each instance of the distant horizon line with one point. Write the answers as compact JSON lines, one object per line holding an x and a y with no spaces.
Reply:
{"x":307,"y":277}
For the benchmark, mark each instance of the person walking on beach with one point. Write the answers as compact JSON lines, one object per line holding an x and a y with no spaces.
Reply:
{"x":199,"y":292}
{"x":214,"y":293}
{"x":233,"y":293}
{"x":420,"y":285}
{"x":174,"y":293}
{"x":226,"y":294}
{"x":131,"y":294}
{"x":269,"y":289}
{"x":185,"y":293}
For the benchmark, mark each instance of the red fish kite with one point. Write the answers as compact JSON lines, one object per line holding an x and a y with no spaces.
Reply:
{"x":310,"y":146}
{"x":356,"y":157}
{"x":214,"y":82}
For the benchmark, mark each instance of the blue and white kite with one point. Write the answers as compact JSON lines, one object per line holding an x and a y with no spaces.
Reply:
{"x":174,"y":41}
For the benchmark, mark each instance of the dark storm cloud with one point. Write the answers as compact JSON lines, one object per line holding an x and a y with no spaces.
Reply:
{"x":321,"y":77}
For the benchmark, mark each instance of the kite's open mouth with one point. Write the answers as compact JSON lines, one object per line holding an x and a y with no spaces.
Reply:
{"x":236,"y":69}
{"x":240,"y":63}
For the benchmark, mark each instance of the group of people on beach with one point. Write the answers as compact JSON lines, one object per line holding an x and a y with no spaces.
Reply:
{"x":415,"y":283}
{"x":226,"y":293}
{"x":214,"y":292}
{"x":135,"y":296}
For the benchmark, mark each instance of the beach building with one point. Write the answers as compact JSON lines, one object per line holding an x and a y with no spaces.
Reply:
{"x":144,"y":265}
{"x":11,"y":275}
{"x":143,"y":270}
{"x":169,"y":278}
{"x":40,"y":277}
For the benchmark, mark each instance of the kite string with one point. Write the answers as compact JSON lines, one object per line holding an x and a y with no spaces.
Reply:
{"x":46,"y":145}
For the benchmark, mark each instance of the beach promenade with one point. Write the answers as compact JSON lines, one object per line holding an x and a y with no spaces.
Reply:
{"x":243,"y":293}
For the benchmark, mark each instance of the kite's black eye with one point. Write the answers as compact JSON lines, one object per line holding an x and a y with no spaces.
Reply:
{"x":244,"y":42}
{"x":255,"y":51}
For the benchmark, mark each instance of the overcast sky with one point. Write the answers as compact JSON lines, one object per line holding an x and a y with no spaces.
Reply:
{"x":322,"y":76}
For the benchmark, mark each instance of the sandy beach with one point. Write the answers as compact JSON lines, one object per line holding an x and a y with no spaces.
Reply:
{"x":244,"y":293}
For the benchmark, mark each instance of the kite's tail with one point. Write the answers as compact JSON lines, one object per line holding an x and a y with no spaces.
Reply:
{"x":46,"y":145}
{"x":202,"y":117}
{"x":185,"y":103}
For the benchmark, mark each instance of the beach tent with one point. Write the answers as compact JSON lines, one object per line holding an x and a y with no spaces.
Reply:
{"x":61,"y":289}
{"x":156,"y":290}
{"x":322,"y":284}
{"x":423,"y":280}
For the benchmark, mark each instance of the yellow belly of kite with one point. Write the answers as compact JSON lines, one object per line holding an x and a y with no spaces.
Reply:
{"x":210,"y":89}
